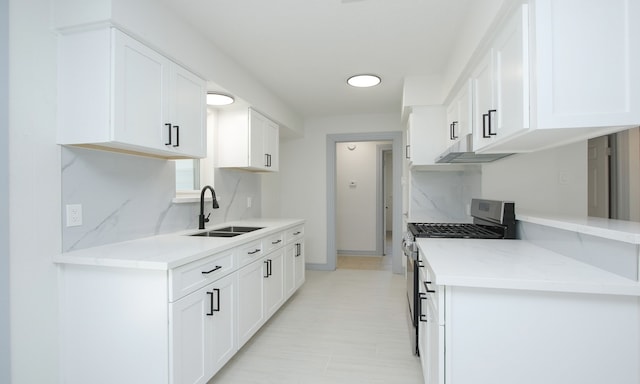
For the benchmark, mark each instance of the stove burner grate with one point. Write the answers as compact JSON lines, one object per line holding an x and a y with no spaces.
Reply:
{"x":456,"y":230}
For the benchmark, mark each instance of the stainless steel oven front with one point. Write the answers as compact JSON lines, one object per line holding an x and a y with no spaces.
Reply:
{"x":410,"y":250}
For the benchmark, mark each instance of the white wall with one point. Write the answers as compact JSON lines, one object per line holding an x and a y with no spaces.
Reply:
{"x":303,"y":173}
{"x":5,"y":360}
{"x":483,"y":13}
{"x":550,"y":182}
{"x":34,"y":189}
{"x":357,"y":189}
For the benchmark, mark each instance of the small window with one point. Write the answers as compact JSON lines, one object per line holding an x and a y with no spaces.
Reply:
{"x":187,"y":175}
{"x":192,"y":175}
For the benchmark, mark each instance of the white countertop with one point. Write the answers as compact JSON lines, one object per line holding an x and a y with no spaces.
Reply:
{"x":169,"y":251}
{"x":620,"y":230}
{"x":516,"y":264}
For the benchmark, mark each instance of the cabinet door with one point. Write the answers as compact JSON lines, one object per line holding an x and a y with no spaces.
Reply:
{"x":271,"y":144}
{"x":482,"y":80}
{"x":140,"y":93}
{"x":274,"y":282}
{"x":511,"y":82}
{"x":428,"y":139}
{"x":299,"y":267}
{"x":587,"y":63}
{"x":250,"y":301}
{"x":289,"y":269}
{"x":190,"y":357}
{"x":222,"y":321}
{"x":187,"y":114}
{"x":257,"y":155}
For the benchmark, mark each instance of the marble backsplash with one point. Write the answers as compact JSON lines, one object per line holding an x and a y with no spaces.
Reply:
{"x":614,"y":256}
{"x":127,"y":197}
{"x":443,"y":195}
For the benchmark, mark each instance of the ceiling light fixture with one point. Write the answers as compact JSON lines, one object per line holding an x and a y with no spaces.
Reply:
{"x":364,"y":80}
{"x":218,"y":99}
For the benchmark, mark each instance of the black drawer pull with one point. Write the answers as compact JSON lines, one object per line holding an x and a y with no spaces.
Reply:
{"x":213,"y":270}
{"x":253,"y":252}
{"x":296,"y":233}
{"x":276,"y":242}
{"x":427,"y":287}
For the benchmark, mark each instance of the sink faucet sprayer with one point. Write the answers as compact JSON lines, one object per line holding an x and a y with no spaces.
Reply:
{"x":201,"y":218}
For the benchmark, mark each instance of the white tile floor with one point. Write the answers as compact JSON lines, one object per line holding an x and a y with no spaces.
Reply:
{"x":347,"y":326}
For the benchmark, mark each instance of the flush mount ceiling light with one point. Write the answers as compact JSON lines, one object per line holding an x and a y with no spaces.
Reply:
{"x":363,"y":81}
{"x":218,"y":99}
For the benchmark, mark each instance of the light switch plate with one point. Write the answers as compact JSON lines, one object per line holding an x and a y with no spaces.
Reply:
{"x":74,"y":215}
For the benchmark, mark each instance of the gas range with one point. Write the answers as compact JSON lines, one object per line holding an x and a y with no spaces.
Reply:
{"x":492,"y":219}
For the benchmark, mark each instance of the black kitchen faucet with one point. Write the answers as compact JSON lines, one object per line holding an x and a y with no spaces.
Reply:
{"x":201,"y":218}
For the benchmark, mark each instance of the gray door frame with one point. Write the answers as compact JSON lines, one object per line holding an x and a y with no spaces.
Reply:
{"x":332,"y":140}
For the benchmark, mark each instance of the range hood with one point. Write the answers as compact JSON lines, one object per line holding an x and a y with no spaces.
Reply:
{"x":462,"y":153}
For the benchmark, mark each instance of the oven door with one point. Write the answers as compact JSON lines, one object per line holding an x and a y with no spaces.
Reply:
{"x":409,"y":248}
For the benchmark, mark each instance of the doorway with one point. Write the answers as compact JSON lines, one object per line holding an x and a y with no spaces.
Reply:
{"x":393,"y":191}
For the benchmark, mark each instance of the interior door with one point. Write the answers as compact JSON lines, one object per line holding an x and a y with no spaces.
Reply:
{"x":598,"y":179}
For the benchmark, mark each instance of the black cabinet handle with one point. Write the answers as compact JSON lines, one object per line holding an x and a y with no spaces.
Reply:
{"x":484,"y":126}
{"x":177,"y":127}
{"x":407,"y":155}
{"x":491,"y":133}
{"x":211,"y":303}
{"x":298,"y":249}
{"x":269,"y":271}
{"x":453,"y":130}
{"x":168,"y":125}
{"x":217,"y":308}
{"x":253,"y":252}
{"x":276,"y":242}
{"x":213,"y":270}
{"x":296,"y":233}
{"x":216,"y":291}
{"x":427,"y":287}
{"x":423,"y":318}
{"x":267,"y":160}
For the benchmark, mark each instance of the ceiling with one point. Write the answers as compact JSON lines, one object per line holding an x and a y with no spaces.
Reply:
{"x":304,"y":50}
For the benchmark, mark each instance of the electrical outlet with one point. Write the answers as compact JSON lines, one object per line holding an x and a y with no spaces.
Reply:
{"x":74,"y":215}
{"x":249,"y":202}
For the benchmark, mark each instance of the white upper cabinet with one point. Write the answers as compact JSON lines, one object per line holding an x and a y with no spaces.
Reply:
{"x":500,"y":84}
{"x":116,"y":93}
{"x":556,"y":72}
{"x":247,"y":139}
{"x":459,"y":114}
{"x":425,"y":136}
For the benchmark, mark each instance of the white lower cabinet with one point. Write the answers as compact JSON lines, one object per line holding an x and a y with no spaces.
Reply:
{"x":273,"y":282}
{"x":506,"y":336}
{"x":172,"y":327}
{"x":250,"y":303}
{"x":202,"y":331}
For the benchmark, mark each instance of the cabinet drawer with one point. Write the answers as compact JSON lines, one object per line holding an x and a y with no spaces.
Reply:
{"x":294,"y":234}
{"x":273,"y":242}
{"x":250,"y":252}
{"x":187,"y":278}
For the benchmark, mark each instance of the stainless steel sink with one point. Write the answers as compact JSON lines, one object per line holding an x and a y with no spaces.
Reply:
{"x":226,"y":231}
{"x":237,"y":229}
{"x":216,"y":234}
